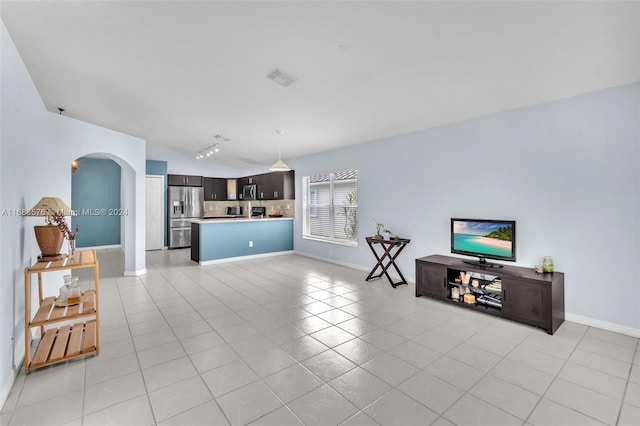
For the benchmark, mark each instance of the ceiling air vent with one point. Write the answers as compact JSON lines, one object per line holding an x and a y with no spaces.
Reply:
{"x":281,"y":77}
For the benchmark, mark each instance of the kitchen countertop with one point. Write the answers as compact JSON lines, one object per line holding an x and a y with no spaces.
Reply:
{"x":222,"y":219}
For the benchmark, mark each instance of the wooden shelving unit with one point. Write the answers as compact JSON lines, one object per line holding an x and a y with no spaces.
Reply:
{"x":80,"y":335}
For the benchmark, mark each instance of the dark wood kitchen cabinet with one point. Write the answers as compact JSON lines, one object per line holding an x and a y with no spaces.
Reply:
{"x":512,"y":292}
{"x":270,"y":186}
{"x":215,"y":189}
{"x":242,"y":182}
{"x":264,"y":187}
{"x":184,"y":180}
{"x":282,"y":185}
{"x":276,"y":186}
{"x":263,"y":184}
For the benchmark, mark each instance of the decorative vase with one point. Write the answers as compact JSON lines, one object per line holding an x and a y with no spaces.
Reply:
{"x":50,"y":241}
{"x":72,"y":247}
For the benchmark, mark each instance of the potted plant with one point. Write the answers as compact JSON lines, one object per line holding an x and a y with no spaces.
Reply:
{"x":350,"y":212}
{"x":379,"y":227}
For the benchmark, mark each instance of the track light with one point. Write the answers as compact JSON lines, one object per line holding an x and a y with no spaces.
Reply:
{"x":208,"y":151}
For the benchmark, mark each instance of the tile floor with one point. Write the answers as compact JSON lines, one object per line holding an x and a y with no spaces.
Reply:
{"x":289,"y":340}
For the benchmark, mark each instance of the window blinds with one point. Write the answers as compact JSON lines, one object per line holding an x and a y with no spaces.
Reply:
{"x":330,"y":206}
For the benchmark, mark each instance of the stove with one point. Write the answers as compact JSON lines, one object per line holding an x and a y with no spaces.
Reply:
{"x":258,"y":211}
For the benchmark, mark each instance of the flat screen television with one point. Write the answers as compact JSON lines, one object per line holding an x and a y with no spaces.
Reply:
{"x":485,"y":239}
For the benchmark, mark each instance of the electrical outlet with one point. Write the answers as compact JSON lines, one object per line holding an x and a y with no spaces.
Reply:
{"x":250,"y":243}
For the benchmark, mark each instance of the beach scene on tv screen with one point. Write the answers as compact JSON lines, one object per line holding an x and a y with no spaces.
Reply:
{"x":491,"y":239}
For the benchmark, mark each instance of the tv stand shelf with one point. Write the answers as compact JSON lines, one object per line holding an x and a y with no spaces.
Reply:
{"x":511,"y":292}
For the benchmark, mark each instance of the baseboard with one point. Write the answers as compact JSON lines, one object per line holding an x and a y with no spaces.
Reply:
{"x":248,"y":257}
{"x":110,"y":246}
{"x":330,"y":260}
{"x":135,"y":273}
{"x":366,"y":269}
{"x":604,"y":325}
{"x":6,"y":389}
{"x":591,"y":322}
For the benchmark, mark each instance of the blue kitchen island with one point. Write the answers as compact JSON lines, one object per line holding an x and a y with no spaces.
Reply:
{"x":218,"y":240}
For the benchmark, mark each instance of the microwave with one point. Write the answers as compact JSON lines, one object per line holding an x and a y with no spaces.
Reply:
{"x":249,"y":192}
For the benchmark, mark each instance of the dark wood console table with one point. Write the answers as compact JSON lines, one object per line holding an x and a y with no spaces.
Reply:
{"x":391,"y":249}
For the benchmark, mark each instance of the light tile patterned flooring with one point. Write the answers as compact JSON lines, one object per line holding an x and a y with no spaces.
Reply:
{"x":289,"y":340}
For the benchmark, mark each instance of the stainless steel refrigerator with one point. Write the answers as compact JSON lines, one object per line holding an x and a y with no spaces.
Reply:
{"x":185,"y":204}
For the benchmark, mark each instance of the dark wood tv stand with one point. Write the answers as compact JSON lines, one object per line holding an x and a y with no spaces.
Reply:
{"x":526,"y":296}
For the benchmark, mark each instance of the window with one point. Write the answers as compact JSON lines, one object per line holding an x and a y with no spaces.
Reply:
{"x":330,"y":207}
{"x":313,"y":202}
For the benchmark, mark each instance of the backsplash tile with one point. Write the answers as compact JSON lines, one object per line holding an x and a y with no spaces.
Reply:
{"x":284,"y":207}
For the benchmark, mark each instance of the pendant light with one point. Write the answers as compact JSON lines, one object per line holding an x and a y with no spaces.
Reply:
{"x":279,"y":166}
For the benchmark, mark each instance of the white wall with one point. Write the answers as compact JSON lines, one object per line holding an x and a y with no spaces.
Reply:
{"x":565,"y":171}
{"x":6,"y":290}
{"x":180,"y":163}
{"x":37,"y":148}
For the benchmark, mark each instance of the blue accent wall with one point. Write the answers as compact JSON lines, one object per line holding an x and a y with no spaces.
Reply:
{"x":155,"y":167}
{"x":220,"y":240}
{"x":95,"y":195}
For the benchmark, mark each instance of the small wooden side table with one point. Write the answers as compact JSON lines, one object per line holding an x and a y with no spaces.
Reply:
{"x":391,"y":249}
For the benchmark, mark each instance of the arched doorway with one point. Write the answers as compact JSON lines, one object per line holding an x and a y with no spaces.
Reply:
{"x":125,"y":217}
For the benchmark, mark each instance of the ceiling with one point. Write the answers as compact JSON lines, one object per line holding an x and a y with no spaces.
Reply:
{"x":177,"y":73}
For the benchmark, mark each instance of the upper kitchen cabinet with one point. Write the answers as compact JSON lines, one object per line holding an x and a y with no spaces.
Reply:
{"x":242,"y":182}
{"x":282,"y":185}
{"x":215,"y":189}
{"x":262,"y":183}
{"x":184,"y":180}
{"x":276,"y":186}
{"x":270,"y":186}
